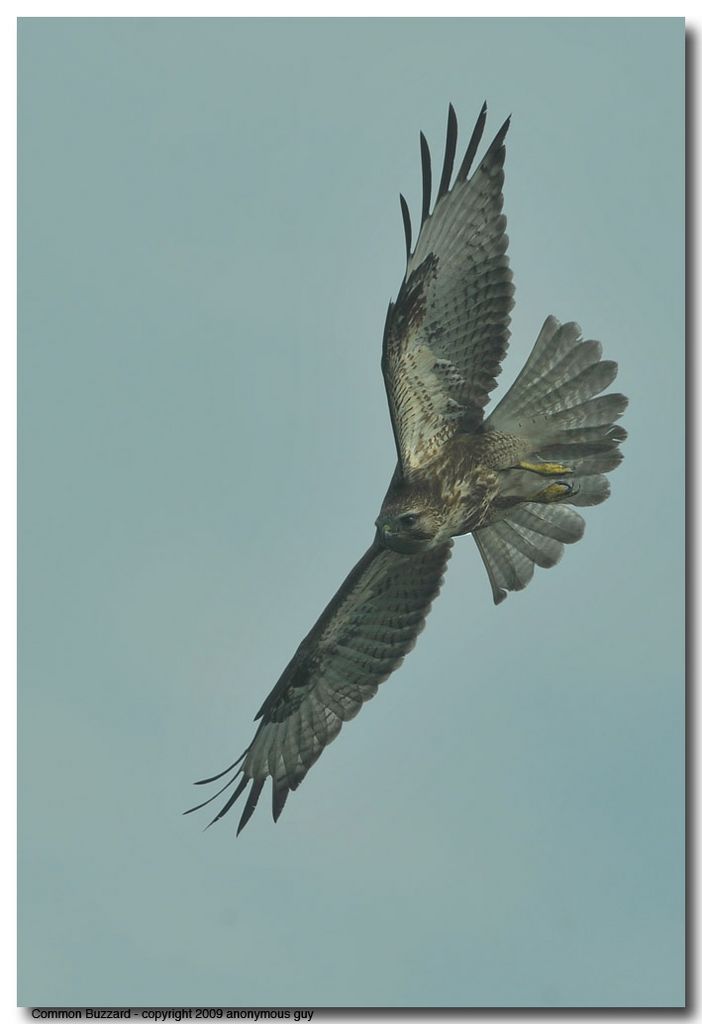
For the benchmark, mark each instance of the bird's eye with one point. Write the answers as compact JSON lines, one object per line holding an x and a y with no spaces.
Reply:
{"x":409,"y":519}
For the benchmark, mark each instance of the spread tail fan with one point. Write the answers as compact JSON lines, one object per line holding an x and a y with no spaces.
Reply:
{"x":556,"y":406}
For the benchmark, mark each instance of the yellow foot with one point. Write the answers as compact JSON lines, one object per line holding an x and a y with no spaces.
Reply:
{"x":546,"y":468}
{"x":554,"y":492}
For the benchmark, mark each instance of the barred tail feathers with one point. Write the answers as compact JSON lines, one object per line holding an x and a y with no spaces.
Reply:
{"x":556,"y":406}
{"x":556,"y":402}
{"x":530,"y":534}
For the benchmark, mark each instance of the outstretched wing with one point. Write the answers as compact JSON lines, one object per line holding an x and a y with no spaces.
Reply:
{"x":360,"y":638}
{"x":448,"y":331}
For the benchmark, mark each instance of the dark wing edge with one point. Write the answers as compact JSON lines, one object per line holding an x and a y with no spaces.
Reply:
{"x":361,"y":637}
{"x":447,"y":332}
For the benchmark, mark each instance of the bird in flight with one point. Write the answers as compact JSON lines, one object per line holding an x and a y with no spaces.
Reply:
{"x":513,"y":479}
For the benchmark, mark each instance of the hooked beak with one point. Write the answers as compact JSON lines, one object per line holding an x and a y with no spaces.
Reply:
{"x":390,"y":537}
{"x":384,"y":528}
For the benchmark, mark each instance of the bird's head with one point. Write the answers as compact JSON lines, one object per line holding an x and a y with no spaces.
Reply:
{"x":409,"y":526}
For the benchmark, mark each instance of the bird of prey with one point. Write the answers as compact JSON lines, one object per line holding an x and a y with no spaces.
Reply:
{"x":513,"y":479}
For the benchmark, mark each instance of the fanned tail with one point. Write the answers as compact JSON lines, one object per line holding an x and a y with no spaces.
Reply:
{"x":556,"y":408}
{"x":531,"y":534}
{"x":555,"y":402}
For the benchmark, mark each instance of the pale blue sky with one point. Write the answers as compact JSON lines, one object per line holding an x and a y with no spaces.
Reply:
{"x":209,"y":237}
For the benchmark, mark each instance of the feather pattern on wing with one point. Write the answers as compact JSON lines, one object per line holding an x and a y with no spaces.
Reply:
{"x":360,"y":638}
{"x":448,"y":330}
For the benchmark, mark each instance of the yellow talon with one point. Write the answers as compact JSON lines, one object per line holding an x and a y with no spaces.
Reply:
{"x":545,"y":468}
{"x":554,"y":492}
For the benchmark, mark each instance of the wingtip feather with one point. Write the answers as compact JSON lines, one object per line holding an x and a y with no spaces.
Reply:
{"x":426,"y":175}
{"x":407,"y":224}
{"x":473,"y":144}
{"x":213,"y":778}
{"x":232,"y":799}
{"x":449,"y":152}
{"x":280,"y":795}
{"x":251,"y":801}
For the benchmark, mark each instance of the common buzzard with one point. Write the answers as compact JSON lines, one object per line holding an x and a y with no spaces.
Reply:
{"x":511,"y":479}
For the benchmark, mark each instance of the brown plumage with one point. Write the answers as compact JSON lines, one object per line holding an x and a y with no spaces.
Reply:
{"x":511,"y":479}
